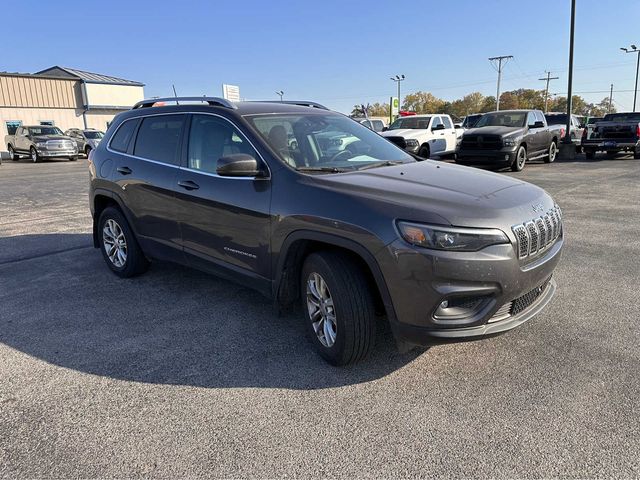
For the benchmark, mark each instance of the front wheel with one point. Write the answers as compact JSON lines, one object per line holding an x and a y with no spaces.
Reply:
{"x":590,"y":154}
{"x":73,"y":159}
{"x":119,"y":246}
{"x":424,"y":151}
{"x":520,"y":160}
{"x":33,"y":154}
{"x":339,"y":307}
{"x":552,"y":153}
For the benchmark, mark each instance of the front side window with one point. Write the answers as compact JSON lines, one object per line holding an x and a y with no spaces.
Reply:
{"x":45,"y":131}
{"x":502,"y":119}
{"x":121,"y":139}
{"x":211,"y":138}
{"x":436,"y":121}
{"x":325,"y":141}
{"x":93,"y":134}
{"x":378,"y":126}
{"x":158,"y":138}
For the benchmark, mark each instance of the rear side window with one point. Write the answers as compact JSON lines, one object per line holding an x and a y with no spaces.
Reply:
{"x":447,"y":122}
{"x":121,"y":139}
{"x":159,"y":137}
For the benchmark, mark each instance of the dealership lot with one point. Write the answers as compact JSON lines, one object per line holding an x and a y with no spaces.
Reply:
{"x":179,"y":373}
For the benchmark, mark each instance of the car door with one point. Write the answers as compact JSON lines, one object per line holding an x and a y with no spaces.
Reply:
{"x":225,"y":221}
{"x":449,"y":134}
{"x":438,"y":142}
{"x":533,"y":137}
{"x":147,"y":155}
{"x":21,"y":139}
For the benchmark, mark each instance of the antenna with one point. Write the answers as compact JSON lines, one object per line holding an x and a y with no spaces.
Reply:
{"x":175,"y":94}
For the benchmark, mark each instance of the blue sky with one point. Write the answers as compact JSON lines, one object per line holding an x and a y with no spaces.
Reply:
{"x":336,"y":52}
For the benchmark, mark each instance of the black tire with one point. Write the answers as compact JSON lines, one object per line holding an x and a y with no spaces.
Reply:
{"x":73,"y":159}
{"x":636,"y":154}
{"x":353,"y":307}
{"x":521,"y":159}
{"x":12,"y":153}
{"x":34,"y":155}
{"x":135,"y":263}
{"x":590,"y":154}
{"x":552,"y":153}
{"x":87,"y":150}
{"x":424,"y":151}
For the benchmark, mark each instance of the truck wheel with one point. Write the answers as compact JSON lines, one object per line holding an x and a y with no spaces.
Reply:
{"x":119,"y":246}
{"x":73,"y":159}
{"x":520,"y":160}
{"x":339,"y":307}
{"x":551,"y":155}
{"x":424,"y":151}
{"x":636,"y":154}
{"x":590,"y":154}
{"x":87,"y":150}
{"x":33,"y":153}
{"x":13,"y":154}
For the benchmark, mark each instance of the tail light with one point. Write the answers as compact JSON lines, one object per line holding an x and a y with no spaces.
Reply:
{"x":562,"y":133}
{"x":638,"y":130}
{"x":584,"y":133}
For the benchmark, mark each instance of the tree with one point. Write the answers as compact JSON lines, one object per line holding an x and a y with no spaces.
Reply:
{"x":578,"y":105}
{"x":423,"y":102}
{"x":375,"y":110}
{"x":488,"y":104}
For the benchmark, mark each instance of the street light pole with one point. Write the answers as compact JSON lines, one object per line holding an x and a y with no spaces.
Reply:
{"x":610,"y":99}
{"x":398,"y":79}
{"x":567,"y":148}
{"x":281,"y":93}
{"x":634,"y":49}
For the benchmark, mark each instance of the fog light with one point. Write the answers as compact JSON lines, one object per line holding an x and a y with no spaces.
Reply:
{"x":506,"y":157}
{"x":444,"y":304}
{"x":460,"y":308}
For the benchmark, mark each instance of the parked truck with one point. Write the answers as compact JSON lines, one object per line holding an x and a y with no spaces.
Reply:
{"x":509,"y":138}
{"x":617,"y":132}
{"x":424,"y":135}
{"x":40,"y":142}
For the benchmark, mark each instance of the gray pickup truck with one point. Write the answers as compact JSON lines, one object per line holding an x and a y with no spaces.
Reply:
{"x":509,"y":138}
{"x":617,"y":132}
{"x":40,"y":142}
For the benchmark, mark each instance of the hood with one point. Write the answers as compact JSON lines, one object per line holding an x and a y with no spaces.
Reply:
{"x":404,"y":132}
{"x":495,"y":130}
{"x":460,"y":196}
{"x":44,"y":138}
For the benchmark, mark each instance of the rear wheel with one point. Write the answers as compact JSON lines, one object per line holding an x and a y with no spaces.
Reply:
{"x":590,"y":154}
{"x":551,"y":154}
{"x":424,"y":151}
{"x":14,"y":156}
{"x":33,"y":154}
{"x":339,"y":307}
{"x":87,"y":151}
{"x":73,"y":159}
{"x":520,"y":160}
{"x":118,"y":244}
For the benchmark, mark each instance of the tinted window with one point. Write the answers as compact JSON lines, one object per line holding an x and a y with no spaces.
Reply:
{"x":378,"y":126}
{"x":410,"y":122}
{"x":622,"y":117}
{"x":211,"y":138}
{"x":159,"y":137}
{"x":556,"y":119}
{"x":447,"y":122}
{"x":120,"y":141}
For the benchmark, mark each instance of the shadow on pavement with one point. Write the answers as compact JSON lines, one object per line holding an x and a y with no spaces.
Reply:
{"x":171,"y":325}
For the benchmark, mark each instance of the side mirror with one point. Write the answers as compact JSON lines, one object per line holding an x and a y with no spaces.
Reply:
{"x":537,"y":124}
{"x":238,"y":165}
{"x":384,"y":129}
{"x":440,"y":126}
{"x":457,"y":125}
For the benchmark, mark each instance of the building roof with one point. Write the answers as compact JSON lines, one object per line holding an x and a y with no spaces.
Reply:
{"x":87,"y":77}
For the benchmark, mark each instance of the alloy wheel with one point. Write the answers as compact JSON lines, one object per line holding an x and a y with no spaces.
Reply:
{"x":553,"y":150}
{"x":115,"y":243}
{"x":522,"y":158}
{"x":321,"y":310}
{"x":34,"y":155}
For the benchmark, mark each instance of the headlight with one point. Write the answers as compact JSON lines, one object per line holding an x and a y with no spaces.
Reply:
{"x":412,"y":143}
{"x":509,"y":142}
{"x":450,"y":238}
{"x":41,"y":144}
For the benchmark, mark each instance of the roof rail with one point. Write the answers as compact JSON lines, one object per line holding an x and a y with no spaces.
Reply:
{"x":213,"y":101}
{"x":301,"y":103}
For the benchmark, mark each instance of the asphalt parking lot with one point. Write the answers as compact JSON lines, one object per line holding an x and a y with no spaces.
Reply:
{"x":177,"y":373}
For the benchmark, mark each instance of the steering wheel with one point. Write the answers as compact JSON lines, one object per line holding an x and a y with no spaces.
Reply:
{"x":341,"y":152}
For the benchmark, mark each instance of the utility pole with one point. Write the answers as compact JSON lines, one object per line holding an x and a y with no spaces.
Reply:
{"x":546,"y":90}
{"x":499,"y":61}
{"x":610,"y":99}
{"x":567,"y":148}
{"x":634,"y":49}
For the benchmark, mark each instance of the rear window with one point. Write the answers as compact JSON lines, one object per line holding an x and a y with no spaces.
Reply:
{"x":121,"y":139}
{"x":556,"y":119}
{"x":622,"y":117}
{"x":158,"y":138}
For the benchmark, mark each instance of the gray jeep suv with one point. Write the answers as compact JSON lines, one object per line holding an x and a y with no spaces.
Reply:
{"x":272,"y":196}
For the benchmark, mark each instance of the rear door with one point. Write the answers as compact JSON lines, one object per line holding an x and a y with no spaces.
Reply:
{"x":225,"y":221}
{"x":146,"y":169}
{"x":449,"y":134}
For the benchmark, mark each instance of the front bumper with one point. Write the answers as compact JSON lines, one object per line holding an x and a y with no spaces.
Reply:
{"x":418,"y":281}
{"x":503,"y":157}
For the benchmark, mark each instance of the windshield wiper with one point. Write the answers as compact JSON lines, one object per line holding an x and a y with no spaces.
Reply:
{"x":386,"y":163}
{"x":321,"y":169}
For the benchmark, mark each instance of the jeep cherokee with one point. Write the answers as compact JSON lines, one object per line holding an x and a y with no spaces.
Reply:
{"x":272,"y":196}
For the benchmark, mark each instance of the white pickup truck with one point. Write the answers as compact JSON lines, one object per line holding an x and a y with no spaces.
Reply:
{"x":424,"y":135}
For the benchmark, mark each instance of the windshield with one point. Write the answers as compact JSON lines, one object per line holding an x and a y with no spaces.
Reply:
{"x":556,"y":119}
{"x":502,"y":119}
{"x":470,"y":121}
{"x":325,"y":141}
{"x":622,"y":117}
{"x":45,"y":131}
{"x":93,"y":134}
{"x":421,"y":123}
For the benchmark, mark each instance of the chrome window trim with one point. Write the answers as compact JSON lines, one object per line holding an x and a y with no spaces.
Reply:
{"x":210,"y":174}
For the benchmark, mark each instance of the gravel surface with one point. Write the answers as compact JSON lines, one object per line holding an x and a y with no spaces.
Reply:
{"x":177,"y":373}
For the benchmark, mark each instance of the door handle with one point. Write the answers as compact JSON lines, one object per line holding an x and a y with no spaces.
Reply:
{"x":124,"y":170}
{"x":188,"y":185}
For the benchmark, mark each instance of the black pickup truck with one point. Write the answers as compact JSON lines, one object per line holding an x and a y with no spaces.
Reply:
{"x":509,"y":138}
{"x":616,"y":132}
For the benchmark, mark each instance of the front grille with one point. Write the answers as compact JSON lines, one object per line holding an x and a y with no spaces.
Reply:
{"x":399,"y":141}
{"x":59,"y":144}
{"x":538,"y":234}
{"x":503,"y":312}
{"x":481,"y":142}
{"x":525,"y":301}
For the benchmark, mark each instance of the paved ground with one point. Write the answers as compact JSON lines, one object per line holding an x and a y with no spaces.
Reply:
{"x":180,"y":374}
